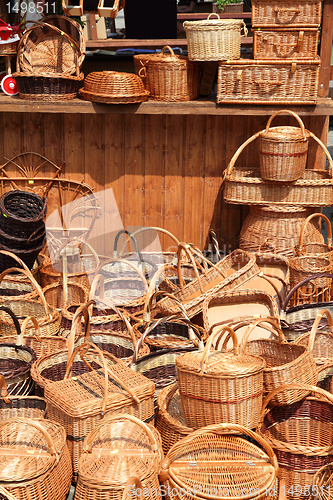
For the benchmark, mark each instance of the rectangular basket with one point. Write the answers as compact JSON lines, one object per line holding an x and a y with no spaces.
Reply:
{"x":279,"y":82}
{"x":274,"y":13}
{"x":285,"y":43}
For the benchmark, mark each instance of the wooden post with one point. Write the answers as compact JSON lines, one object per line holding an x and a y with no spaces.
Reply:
{"x":326,"y":39}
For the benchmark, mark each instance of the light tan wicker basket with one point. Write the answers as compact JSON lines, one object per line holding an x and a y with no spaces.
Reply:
{"x":285,"y":43}
{"x":280,"y":13}
{"x":214,"y":39}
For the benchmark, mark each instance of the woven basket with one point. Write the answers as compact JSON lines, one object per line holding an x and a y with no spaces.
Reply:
{"x":170,"y":421}
{"x":285,"y":362}
{"x":285,"y":43}
{"x":59,"y":297}
{"x":220,"y":461}
{"x":283,"y":13}
{"x":244,"y":186}
{"x":14,"y":283}
{"x":80,"y":402}
{"x":220,"y":386}
{"x":277,"y":229}
{"x":214,"y":39}
{"x":323,"y":482}
{"x":35,"y":458}
{"x":45,"y":87}
{"x":229,"y":274}
{"x":283,"y":150}
{"x":133,"y":450}
{"x":22,"y":213}
{"x":169,"y":77}
{"x":314,"y":248}
{"x":113,"y":87}
{"x":323,"y":341}
{"x":19,"y":406}
{"x":278,"y":82}
{"x":300,"y":435}
{"x":306,"y":266}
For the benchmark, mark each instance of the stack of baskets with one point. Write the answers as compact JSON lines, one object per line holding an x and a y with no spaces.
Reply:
{"x":22,"y":227}
{"x":49,"y":60}
{"x":285,"y":68}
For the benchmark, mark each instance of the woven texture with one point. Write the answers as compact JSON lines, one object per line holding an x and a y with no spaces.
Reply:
{"x":46,"y":87}
{"x":214,"y":39}
{"x":22,"y":213}
{"x":113,"y":87}
{"x":20,"y":406}
{"x":268,"y":81}
{"x":285,"y":43}
{"x":323,"y":342}
{"x":282,"y":13}
{"x":168,"y":76}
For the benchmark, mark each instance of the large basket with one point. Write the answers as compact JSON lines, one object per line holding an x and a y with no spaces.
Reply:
{"x":244,"y":186}
{"x":285,"y":362}
{"x":35,"y":459}
{"x":133,"y":450}
{"x":285,"y":43}
{"x":277,"y":229}
{"x":300,"y":435}
{"x":220,"y":461}
{"x":214,"y":39}
{"x":220,"y":386}
{"x":19,"y":406}
{"x":286,"y":13}
{"x":283,"y":150}
{"x":169,"y":77}
{"x":276,"y":82}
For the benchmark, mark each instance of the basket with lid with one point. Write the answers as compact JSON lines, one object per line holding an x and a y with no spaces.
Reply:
{"x":283,"y":150}
{"x":214,"y":39}
{"x":217,"y":386}
{"x":169,"y":76}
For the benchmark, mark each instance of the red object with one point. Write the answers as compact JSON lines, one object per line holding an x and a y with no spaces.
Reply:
{"x":8,"y":85}
{"x":7,"y":31}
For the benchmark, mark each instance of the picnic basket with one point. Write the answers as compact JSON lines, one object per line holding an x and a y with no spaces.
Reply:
{"x":19,"y":406}
{"x":214,"y":39}
{"x":300,"y":435}
{"x":286,"y":13}
{"x":285,"y":43}
{"x":245,"y":186}
{"x":35,"y":459}
{"x":220,"y":386}
{"x":220,"y":461}
{"x":230,"y":273}
{"x":285,"y":362}
{"x":169,"y":77}
{"x":134,"y":451}
{"x":283,"y":150}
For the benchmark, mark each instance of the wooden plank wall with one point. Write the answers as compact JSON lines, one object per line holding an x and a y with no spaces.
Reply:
{"x":164,"y":170}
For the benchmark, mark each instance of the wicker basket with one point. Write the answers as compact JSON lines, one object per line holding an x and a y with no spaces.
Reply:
{"x":218,"y":462}
{"x":113,"y":87}
{"x":19,"y":406}
{"x":323,"y":482}
{"x":22,"y":213}
{"x":283,"y":13}
{"x":300,"y":435}
{"x":285,"y":43}
{"x":35,"y":458}
{"x":314,"y":248}
{"x":220,"y":386}
{"x":323,"y":341}
{"x":214,"y":39}
{"x":244,"y":186}
{"x":285,"y":362}
{"x":283,"y":150}
{"x":169,"y":77}
{"x":133,"y":450}
{"x":14,"y":283}
{"x":276,"y":82}
{"x":277,"y":229}
{"x":42,"y":87}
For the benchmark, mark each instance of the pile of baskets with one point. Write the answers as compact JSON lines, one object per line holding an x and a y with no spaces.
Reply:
{"x":49,"y":58}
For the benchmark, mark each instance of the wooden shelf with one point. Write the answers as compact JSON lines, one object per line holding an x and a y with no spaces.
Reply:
{"x":197,"y":16}
{"x":202,"y":106}
{"x":121,"y":43}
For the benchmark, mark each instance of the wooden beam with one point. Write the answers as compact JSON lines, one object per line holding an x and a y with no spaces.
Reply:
{"x":326,"y":38}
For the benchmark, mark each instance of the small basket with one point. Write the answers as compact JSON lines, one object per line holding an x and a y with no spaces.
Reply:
{"x":286,"y":13}
{"x":285,"y":43}
{"x":214,"y":39}
{"x":283,"y":150}
{"x":53,"y":87}
{"x":113,"y":87}
{"x":220,"y":386}
{"x":314,"y":248}
{"x":169,"y":77}
{"x":323,"y":341}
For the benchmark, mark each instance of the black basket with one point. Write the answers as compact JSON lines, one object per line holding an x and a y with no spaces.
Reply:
{"x":17,"y":243}
{"x":22,"y":213}
{"x":27,"y":256}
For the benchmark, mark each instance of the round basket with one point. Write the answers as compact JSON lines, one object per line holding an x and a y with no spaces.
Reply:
{"x":113,"y":87}
{"x":315,"y":248}
{"x":283,"y":150}
{"x":168,"y":76}
{"x":15,"y":284}
{"x":47,"y":87}
{"x":22,"y":213}
{"x":214,"y":39}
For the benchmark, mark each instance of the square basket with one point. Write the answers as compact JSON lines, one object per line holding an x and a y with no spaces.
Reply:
{"x":285,"y":43}
{"x":283,"y":13}
{"x":279,"y":82}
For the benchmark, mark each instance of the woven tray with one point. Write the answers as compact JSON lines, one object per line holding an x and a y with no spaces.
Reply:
{"x":279,"y":82}
{"x":278,"y":13}
{"x":285,"y":43}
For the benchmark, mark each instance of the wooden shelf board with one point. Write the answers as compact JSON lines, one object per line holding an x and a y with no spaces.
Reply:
{"x":121,"y":43}
{"x":202,"y":106}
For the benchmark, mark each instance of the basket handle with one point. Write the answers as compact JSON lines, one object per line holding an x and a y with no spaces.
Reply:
{"x":26,"y":321}
{"x":80,"y":241}
{"x":258,"y":322}
{"x":152,"y":296}
{"x":300,"y":284}
{"x":167,"y":47}
{"x":286,"y":112}
{"x":135,"y":243}
{"x":326,"y":151}
{"x":213,"y":14}
{"x":82,"y":350}
{"x":286,"y":10}
{"x":129,"y":263}
{"x":299,"y":249}
{"x":3,"y":389}
{"x":157,"y":229}
{"x":313,"y":332}
{"x":14,"y":318}
{"x":136,"y":483}
{"x":223,"y":428}
{"x":18,"y":260}
{"x":233,"y":160}
{"x":212,"y":337}
{"x":82,"y":311}
{"x":115,"y":418}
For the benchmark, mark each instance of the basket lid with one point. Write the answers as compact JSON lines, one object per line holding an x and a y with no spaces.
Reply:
{"x":113,"y":87}
{"x":214,"y":23}
{"x":166,"y":56}
{"x":285,"y":134}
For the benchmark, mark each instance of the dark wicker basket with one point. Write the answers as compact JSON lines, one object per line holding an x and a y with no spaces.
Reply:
{"x":22,"y":213}
{"x":27,"y":256}
{"x":18,"y":243}
{"x":44,"y":87}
